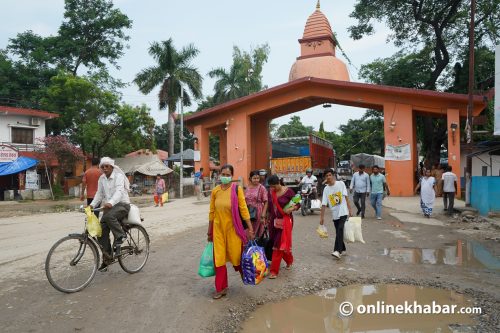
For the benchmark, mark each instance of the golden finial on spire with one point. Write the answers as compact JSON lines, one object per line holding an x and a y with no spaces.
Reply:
{"x":317,"y":5}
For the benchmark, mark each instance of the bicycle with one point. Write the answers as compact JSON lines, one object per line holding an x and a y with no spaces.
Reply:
{"x":73,"y":261}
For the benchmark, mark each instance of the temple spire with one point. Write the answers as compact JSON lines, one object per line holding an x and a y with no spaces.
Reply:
{"x":317,"y":5}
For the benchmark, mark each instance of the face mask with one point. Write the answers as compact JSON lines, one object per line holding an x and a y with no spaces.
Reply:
{"x":225,"y":180}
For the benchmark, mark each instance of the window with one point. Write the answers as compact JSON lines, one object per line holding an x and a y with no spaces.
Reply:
{"x":22,"y":135}
{"x":484,"y":171}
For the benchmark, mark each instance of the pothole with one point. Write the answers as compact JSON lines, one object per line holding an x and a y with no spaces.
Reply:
{"x":460,"y":253}
{"x":375,"y":308}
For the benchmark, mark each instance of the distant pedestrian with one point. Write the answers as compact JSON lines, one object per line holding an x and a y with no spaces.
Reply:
{"x":335,"y":196}
{"x":378,"y":185}
{"x":160,"y":188}
{"x":360,"y":184}
{"x":449,"y":190}
{"x":90,"y":182}
{"x":198,"y":176}
{"x":263,"y":178}
{"x":427,"y":186}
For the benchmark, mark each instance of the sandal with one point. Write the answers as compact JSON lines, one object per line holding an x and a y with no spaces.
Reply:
{"x":273,"y":276}
{"x":289,"y":267}
{"x":220,"y":294}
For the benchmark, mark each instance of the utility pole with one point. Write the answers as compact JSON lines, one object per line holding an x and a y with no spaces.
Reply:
{"x":470,"y":107}
{"x":181,"y":137}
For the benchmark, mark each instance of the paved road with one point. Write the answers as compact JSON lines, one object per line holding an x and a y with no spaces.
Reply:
{"x":24,"y":239}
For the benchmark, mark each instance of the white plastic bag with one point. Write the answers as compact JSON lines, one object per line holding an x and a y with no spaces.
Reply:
{"x":322,"y":231}
{"x":352,"y":230}
{"x":316,"y":204}
{"x":134,"y":215}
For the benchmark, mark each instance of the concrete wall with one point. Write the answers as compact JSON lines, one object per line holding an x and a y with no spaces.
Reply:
{"x":485,"y":194}
{"x":480,"y":161}
{"x":9,"y":121}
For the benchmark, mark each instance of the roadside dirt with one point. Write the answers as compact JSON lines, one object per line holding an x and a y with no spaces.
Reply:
{"x":169,"y":296}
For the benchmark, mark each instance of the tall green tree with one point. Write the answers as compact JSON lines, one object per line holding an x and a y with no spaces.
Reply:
{"x":365,"y":135}
{"x":91,"y":35}
{"x":94,"y":119}
{"x":293,"y":128}
{"x":173,"y":71}
{"x":92,"y":32}
{"x":244,"y":77}
{"x":438,"y":28}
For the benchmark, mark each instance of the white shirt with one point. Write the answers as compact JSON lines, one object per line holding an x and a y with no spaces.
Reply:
{"x":309,"y":180}
{"x":360,"y":182}
{"x":111,"y":190}
{"x":449,"y":179}
{"x":335,"y":196}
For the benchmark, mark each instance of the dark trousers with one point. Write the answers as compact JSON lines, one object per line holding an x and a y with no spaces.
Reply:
{"x":339,"y":234}
{"x":111,"y":221}
{"x":449,"y":201}
{"x":356,"y":197}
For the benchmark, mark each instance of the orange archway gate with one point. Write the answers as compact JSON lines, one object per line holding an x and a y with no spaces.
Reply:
{"x":243,"y":124}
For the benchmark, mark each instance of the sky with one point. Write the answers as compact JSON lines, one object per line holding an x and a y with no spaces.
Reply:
{"x":214,"y":27}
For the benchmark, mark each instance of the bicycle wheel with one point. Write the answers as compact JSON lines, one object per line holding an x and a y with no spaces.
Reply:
{"x":135,"y":250}
{"x":71,"y":263}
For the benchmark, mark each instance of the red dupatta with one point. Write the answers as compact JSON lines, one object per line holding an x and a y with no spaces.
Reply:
{"x":286,"y":235}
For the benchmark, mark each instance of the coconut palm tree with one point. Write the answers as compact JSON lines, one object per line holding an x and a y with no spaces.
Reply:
{"x":243,"y":77}
{"x":173,"y":71}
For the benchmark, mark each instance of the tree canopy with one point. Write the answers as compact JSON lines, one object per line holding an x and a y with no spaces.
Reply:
{"x":432,"y":35}
{"x":244,"y":77}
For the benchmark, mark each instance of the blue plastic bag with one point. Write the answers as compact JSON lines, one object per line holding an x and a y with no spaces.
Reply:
{"x":254,"y":264}
{"x":207,"y":268}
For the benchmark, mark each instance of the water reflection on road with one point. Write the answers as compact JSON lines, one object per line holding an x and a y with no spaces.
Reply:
{"x":461,"y":253}
{"x":321,"y":312}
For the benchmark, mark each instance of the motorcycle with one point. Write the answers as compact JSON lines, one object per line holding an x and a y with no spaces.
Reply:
{"x":306,"y":194}
{"x":134,"y":190}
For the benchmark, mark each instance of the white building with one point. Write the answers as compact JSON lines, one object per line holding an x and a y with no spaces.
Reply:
{"x":485,"y":160}
{"x":21,"y":127}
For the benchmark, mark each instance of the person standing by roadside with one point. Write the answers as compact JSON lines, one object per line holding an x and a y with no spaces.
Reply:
{"x":225,"y":228}
{"x":427,"y":186}
{"x":449,"y":190}
{"x":90,"y":181}
{"x":256,"y":196}
{"x":160,"y":188}
{"x":360,"y":183}
{"x":280,"y":224}
{"x":378,"y":185}
{"x":198,"y":176}
{"x":335,"y":196}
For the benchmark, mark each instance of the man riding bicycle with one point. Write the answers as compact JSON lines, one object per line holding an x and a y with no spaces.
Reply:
{"x":112,"y":190}
{"x":312,"y":180}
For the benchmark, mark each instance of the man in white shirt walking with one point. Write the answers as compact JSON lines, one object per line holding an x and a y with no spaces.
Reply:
{"x":335,"y":196}
{"x":112,"y":195}
{"x":360,"y":183}
{"x":449,"y":190}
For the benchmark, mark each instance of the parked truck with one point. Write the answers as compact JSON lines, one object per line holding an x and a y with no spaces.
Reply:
{"x":291,"y":157}
{"x":344,"y":172}
{"x":368,"y":161}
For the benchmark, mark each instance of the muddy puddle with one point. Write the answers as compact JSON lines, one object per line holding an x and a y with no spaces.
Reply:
{"x":374,"y":309}
{"x":461,"y":253}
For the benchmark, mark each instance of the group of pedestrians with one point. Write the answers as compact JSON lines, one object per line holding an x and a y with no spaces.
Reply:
{"x":430,"y":187}
{"x":258,"y":209}
{"x":373,"y":186}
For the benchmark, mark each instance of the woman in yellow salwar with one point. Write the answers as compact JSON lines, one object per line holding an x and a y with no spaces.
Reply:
{"x":225,"y":227}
